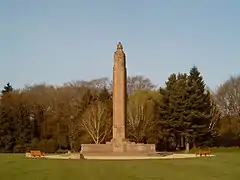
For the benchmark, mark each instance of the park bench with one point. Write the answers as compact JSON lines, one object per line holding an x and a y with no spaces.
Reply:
{"x":204,"y":152}
{"x":37,"y":153}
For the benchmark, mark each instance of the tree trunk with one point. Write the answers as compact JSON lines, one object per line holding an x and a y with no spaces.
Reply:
{"x":187,"y":141}
{"x":194,"y":145}
{"x":187,"y":147}
{"x":182,"y":141}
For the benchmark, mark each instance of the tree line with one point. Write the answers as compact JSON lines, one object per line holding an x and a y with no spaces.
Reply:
{"x":183,"y":114}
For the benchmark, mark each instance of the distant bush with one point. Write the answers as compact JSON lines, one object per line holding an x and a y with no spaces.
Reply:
{"x":62,"y":151}
{"x":19,"y":148}
{"x":48,"y":145}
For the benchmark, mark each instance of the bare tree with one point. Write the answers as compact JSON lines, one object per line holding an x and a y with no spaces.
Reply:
{"x":140,"y":115}
{"x":99,"y":83}
{"x":139,"y":83}
{"x":215,"y":112}
{"x":228,"y":97}
{"x":96,"y":121}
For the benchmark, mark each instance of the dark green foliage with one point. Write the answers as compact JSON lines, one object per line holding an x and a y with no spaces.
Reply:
{"x":172,"y":110}
{"x":199,"y":105}
{"x":7,"y":130}
{"x":185,"y":110}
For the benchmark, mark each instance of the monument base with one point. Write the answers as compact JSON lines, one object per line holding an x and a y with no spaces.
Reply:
{"x":116,"y":147}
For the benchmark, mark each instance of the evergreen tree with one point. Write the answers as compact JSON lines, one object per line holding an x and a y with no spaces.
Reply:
{"x":185,"y":109}
{"x":6,"y":131}
{"x":199,"y":107}
{"x":7,"y":124}
{"x":22,"y":128}
{"x":180,"y":100}
{"x":170,"y":108}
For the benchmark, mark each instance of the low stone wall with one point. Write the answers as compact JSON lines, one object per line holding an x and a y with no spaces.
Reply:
{"x":96,"y":148}
{"x":140,"y":148}
{"x":126,"y":147}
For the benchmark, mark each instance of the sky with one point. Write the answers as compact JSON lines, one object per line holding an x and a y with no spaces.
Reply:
{"x":57,"y":41}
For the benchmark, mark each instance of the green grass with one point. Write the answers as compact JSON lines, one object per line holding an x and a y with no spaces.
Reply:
{"x":225,"y":166}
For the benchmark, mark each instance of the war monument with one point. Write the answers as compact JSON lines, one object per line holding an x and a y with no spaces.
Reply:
{"x":119,"y":144}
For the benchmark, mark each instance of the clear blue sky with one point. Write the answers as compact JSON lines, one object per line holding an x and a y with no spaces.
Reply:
{"x":56,"y":41}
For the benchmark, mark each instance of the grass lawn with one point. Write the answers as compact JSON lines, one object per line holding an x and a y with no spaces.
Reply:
{"x":225,"y":166}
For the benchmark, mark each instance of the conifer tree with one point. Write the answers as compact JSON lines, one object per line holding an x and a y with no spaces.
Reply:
{"x":7,"y":140}
{"x":185,"y":109}
{"x":170,"y":108}
{"x":199,"y":107}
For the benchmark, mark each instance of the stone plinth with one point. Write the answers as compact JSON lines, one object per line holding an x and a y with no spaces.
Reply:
{"x":140,"y":148}
{"x":126,"y":147}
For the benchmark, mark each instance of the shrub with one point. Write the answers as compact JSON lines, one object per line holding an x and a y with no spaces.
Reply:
{"x":62,"y":151}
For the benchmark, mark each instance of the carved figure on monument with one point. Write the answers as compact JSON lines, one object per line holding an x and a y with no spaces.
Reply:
{"x":119,"y":46}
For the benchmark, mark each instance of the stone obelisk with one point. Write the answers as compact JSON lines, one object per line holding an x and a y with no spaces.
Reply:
{"x":118,"y":144}
{"x":119,"y":99}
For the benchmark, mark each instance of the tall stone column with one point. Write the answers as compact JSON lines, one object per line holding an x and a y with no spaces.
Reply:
{"x":119,"y":144}
{"x":119,"y":98}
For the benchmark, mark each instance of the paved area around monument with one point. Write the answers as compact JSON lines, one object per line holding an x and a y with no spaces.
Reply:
{"x":116,"y":157}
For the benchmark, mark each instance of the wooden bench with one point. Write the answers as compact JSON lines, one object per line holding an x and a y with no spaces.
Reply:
{"x":204,"y":152}
{"x":37,"y":153}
